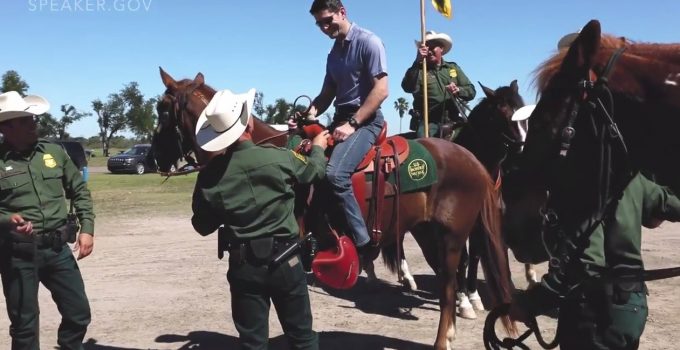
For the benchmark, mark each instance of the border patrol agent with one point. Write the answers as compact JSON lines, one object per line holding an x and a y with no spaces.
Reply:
{"x":599,"y":314}
{"x":249,"y":190}
{"x":444,"y":81}
{"x":35,"y":226}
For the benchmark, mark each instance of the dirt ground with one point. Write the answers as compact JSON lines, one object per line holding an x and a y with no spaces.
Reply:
{"x":153,"y":283}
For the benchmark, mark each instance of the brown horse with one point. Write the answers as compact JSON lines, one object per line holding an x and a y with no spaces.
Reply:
{"x":608,"y":107}
{"x":439,"y":217}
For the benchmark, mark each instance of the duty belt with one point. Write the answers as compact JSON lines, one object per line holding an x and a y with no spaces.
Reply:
{"x":259,"y":251}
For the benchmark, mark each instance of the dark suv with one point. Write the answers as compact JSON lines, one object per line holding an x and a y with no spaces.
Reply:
{"x":138,"y":159}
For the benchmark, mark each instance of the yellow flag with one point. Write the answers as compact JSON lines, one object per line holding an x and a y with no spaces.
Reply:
{"x":444,"y":7}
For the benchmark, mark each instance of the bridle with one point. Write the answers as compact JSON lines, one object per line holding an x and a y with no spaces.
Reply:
{"x":592,"y":96}
{"x":179,"y":106}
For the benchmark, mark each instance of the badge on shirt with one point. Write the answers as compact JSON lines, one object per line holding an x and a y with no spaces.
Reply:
{"x":453,"y":73}
{"x":49,"y":161}
{"x":300,"y":157}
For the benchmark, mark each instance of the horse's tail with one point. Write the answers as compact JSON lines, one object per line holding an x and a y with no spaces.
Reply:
{"x":390,"y":256}
{"x":494,"y":258}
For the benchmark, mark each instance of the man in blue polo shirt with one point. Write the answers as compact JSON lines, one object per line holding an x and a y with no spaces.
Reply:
{"x":356,"y":78}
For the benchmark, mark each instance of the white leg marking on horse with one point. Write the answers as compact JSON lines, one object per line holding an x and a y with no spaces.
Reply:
{"x":530,"y":274}
{"x":465,"y":309}
{"x":450,"y":336}
{"x":476,"y":301}
{"x":406,"y":277}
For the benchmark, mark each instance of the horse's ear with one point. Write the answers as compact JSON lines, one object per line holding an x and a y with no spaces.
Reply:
{"x":199,"y":80}
{"x":514,"y":87}
{"x":584,"y":49}
{"x":488,"y":92}
{"x":168,"y":81}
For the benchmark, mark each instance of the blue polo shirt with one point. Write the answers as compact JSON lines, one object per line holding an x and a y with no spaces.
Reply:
{"x":352,"y":64}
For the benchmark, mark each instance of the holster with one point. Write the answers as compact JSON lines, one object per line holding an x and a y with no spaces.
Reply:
{"x":222,"y":242}
{"x":620,"y":292}
{"x":69,"y":230}
{"x":261,"y":250}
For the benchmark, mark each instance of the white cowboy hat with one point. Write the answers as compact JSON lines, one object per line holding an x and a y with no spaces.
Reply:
{"x":523,"y":113}
{"x":224,"y":119}
{"x":566,"y":40}
{"x":12,"y":105}
{"x":444,"y":39}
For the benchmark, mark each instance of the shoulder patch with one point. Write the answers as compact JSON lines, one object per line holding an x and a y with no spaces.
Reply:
{"x":453,"y":73}
{"x":300,"y":157}
{"x":49,"y":160}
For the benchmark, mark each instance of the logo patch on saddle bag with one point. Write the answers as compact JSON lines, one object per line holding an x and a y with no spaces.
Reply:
{"x":417,"y":169}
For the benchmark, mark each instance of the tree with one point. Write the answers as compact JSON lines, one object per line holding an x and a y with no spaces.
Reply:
{"x":279,"y":112}
{"x":111,"y":119}
{"x":140,"y":113}
{"x":401,"y":105}
{"x":48,"y":127}
{"x":70,"y":115}
{"x":11,"y":81}
{"x":258,"y":108}
{"x":126,"y":109}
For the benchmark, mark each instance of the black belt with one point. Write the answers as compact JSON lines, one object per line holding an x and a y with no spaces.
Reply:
{"x":48,"y":239}
{"x":259,"y":251}
{"x":346,"y":111}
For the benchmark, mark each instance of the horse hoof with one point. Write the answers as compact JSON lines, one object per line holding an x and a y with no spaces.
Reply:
{"x":476,"y":302}
{"x":467,"y":313}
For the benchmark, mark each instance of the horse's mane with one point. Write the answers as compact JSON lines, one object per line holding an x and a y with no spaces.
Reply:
{"x":643,"y":54}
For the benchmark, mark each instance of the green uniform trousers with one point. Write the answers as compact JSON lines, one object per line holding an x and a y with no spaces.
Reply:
{"x":618,"y":328}
{"x":59,"y":273}
{"x":253,"y":288}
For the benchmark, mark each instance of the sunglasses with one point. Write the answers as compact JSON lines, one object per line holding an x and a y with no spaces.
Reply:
{"x":325,"y":21}
{"x":432,"y":46}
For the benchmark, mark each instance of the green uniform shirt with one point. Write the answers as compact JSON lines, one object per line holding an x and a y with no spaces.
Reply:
{"x":250,"y":190}
{"x":614,"y":244}
{"x":437,"y":79}
{"x":33,"y":185}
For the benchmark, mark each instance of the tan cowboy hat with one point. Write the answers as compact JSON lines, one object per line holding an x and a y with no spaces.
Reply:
{"x":523,"y":113}
{"x":12,"y":105}
{"x":444,"y":39}
{"x":566,"y":40}
{"x":224,"y":119}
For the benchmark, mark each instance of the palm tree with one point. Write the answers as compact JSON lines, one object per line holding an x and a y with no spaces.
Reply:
{"x":401,"y":105}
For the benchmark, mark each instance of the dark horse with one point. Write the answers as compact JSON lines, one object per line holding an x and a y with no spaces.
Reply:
{"x":608,"y":107}
{"x":495,"y":139}
{"x":439,"y":217}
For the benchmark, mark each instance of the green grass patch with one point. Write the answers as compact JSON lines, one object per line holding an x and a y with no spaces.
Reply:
{"x":117,"y":195}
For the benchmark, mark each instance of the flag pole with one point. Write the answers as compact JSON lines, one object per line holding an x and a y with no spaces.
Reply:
{"x":422,"y":41}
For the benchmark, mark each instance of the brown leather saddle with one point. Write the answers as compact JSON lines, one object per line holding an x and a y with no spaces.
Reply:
{"x":382,"y":162}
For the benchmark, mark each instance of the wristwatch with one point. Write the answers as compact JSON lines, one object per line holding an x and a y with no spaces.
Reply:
{"x":353,"y":123}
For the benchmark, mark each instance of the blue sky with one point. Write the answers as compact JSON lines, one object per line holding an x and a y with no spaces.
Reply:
{"x":74,"y":51}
